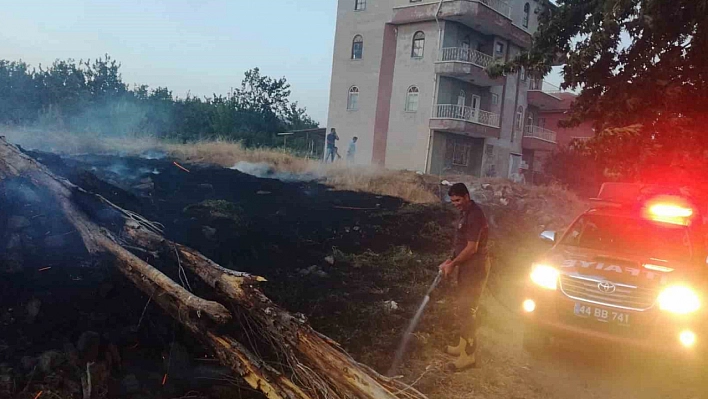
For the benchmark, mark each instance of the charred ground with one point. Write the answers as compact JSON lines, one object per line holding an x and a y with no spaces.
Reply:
{"x":299,"y":235}
{"x":355,"y":264}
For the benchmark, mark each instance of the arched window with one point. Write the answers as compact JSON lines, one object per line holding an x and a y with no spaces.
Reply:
{"x":357,"y":47}
{"x":359,"y":5}
{"x":353,"y":99}
{"x":418,"y":45}
{"x":527,"y":14}
{"x":412,"y":99}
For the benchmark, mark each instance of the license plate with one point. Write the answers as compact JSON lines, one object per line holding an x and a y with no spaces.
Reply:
{"x":601,"y":315}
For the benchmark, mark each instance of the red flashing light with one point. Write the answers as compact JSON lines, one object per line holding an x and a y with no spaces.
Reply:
{"x":672,"y":210}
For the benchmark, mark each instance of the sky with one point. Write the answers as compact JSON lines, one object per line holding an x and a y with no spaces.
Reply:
{"x":200,"y":47}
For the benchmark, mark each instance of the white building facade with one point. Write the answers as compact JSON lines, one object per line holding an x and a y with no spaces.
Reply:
{"x":409,"y":80}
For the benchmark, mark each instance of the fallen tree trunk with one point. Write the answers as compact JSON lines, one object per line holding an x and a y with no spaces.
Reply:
{"x":319,"y":368}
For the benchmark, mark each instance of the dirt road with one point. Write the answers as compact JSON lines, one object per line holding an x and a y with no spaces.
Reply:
{"x":569,"y":369}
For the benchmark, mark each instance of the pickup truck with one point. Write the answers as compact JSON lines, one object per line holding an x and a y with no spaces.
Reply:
{"x":632,"y":270}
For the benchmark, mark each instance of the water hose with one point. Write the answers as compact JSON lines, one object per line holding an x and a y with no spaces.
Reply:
{"x":412,"y":325}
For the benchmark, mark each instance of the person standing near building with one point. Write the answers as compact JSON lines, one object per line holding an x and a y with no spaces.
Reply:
{"x":351,"y":152}
{"x":331,"y":143}
{"x":471,"y":260}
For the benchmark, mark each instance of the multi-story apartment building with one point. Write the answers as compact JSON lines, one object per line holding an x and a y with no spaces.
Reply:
{"x":547,"y":106}
{"x":409,"y":79}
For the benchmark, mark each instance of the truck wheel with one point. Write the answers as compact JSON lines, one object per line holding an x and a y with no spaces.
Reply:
{"x":536,"y":341}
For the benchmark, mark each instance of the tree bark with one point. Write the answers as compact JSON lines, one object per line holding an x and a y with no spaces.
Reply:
{"x":320,"y":367}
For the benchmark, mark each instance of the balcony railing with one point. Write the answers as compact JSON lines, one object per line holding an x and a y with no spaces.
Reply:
{"x":500,"y":6}
{"x":468,"y":114}
{"x":540,"y":133}
{"x":542,"y":85}
{"x":462,"y":54}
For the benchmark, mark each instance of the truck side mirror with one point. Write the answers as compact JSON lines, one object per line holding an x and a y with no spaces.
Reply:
{"x":549,"y":236}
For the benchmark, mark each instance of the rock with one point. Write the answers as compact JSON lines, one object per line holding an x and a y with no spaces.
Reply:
{"x":129,"y":385}
{"x":88,"y":346}
{"x":390,"y":306}
{"x":33,"y":308}
{"x":17,"y":223}
{"x":504,"y":201}
{"x":28,"y":363}
{"x":209,"y":232}
{"x":49,"y":360}
{"x":206,"y":187}
{"x":357,"y":228}
{"x":330,"y":260}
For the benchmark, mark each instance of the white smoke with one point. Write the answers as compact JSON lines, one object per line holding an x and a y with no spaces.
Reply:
{"x":265,"y":171}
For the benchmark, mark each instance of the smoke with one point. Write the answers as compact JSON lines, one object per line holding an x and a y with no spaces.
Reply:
{"x":153,"y":154}
{"x":265,"y":171}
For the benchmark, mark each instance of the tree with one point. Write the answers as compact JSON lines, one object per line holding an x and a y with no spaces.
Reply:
{"x":19,"y":95}
{"x":90,"y":96}
{"x":637,"y":63}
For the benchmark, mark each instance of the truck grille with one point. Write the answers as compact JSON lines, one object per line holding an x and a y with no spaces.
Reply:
{"x":624,"y":296}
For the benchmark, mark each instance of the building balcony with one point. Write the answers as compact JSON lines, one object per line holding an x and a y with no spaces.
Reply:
{"x":465,"y":120}
{"x":490,"y":17}
{"x":468,"y":65}
{"x":544,"y":95}
{"x":539,"y":139}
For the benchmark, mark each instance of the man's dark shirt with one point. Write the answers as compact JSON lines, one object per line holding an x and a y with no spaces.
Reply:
{"x":472,"y":226}
{"x":331,"y":138}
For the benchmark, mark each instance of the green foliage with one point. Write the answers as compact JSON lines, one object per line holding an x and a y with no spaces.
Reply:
{"x":90,"y":96}
{"x":640,"y":64}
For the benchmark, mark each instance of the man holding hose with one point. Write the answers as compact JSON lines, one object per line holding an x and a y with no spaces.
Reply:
{"x":471,"y":260}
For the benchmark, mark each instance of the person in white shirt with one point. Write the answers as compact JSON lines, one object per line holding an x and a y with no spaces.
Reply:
{"x":351,"y":152}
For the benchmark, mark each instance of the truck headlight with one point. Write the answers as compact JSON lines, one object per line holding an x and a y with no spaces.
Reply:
{"x":679,"y":299}
{"x":545,"y":276}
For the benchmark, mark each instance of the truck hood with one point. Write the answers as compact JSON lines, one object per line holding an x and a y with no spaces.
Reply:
{"x":617,"y":267}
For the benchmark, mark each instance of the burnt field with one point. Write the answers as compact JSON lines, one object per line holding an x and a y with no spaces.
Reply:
{"x":355,"y":264}
{"x":61,"y":308}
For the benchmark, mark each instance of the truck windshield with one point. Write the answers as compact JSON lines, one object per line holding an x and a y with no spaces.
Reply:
{"x":630,"y":236}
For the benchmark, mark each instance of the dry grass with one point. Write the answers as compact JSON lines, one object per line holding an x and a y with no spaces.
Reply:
{"x":406,"y":185}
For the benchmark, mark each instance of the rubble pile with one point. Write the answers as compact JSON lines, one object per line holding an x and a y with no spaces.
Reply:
{"x":543,"y":207}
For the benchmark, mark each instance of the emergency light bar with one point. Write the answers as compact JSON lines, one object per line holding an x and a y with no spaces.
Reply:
{"x":669,"y":209}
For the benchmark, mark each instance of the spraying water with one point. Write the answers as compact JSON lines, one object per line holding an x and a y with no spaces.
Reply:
{"x":411,"y":327}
